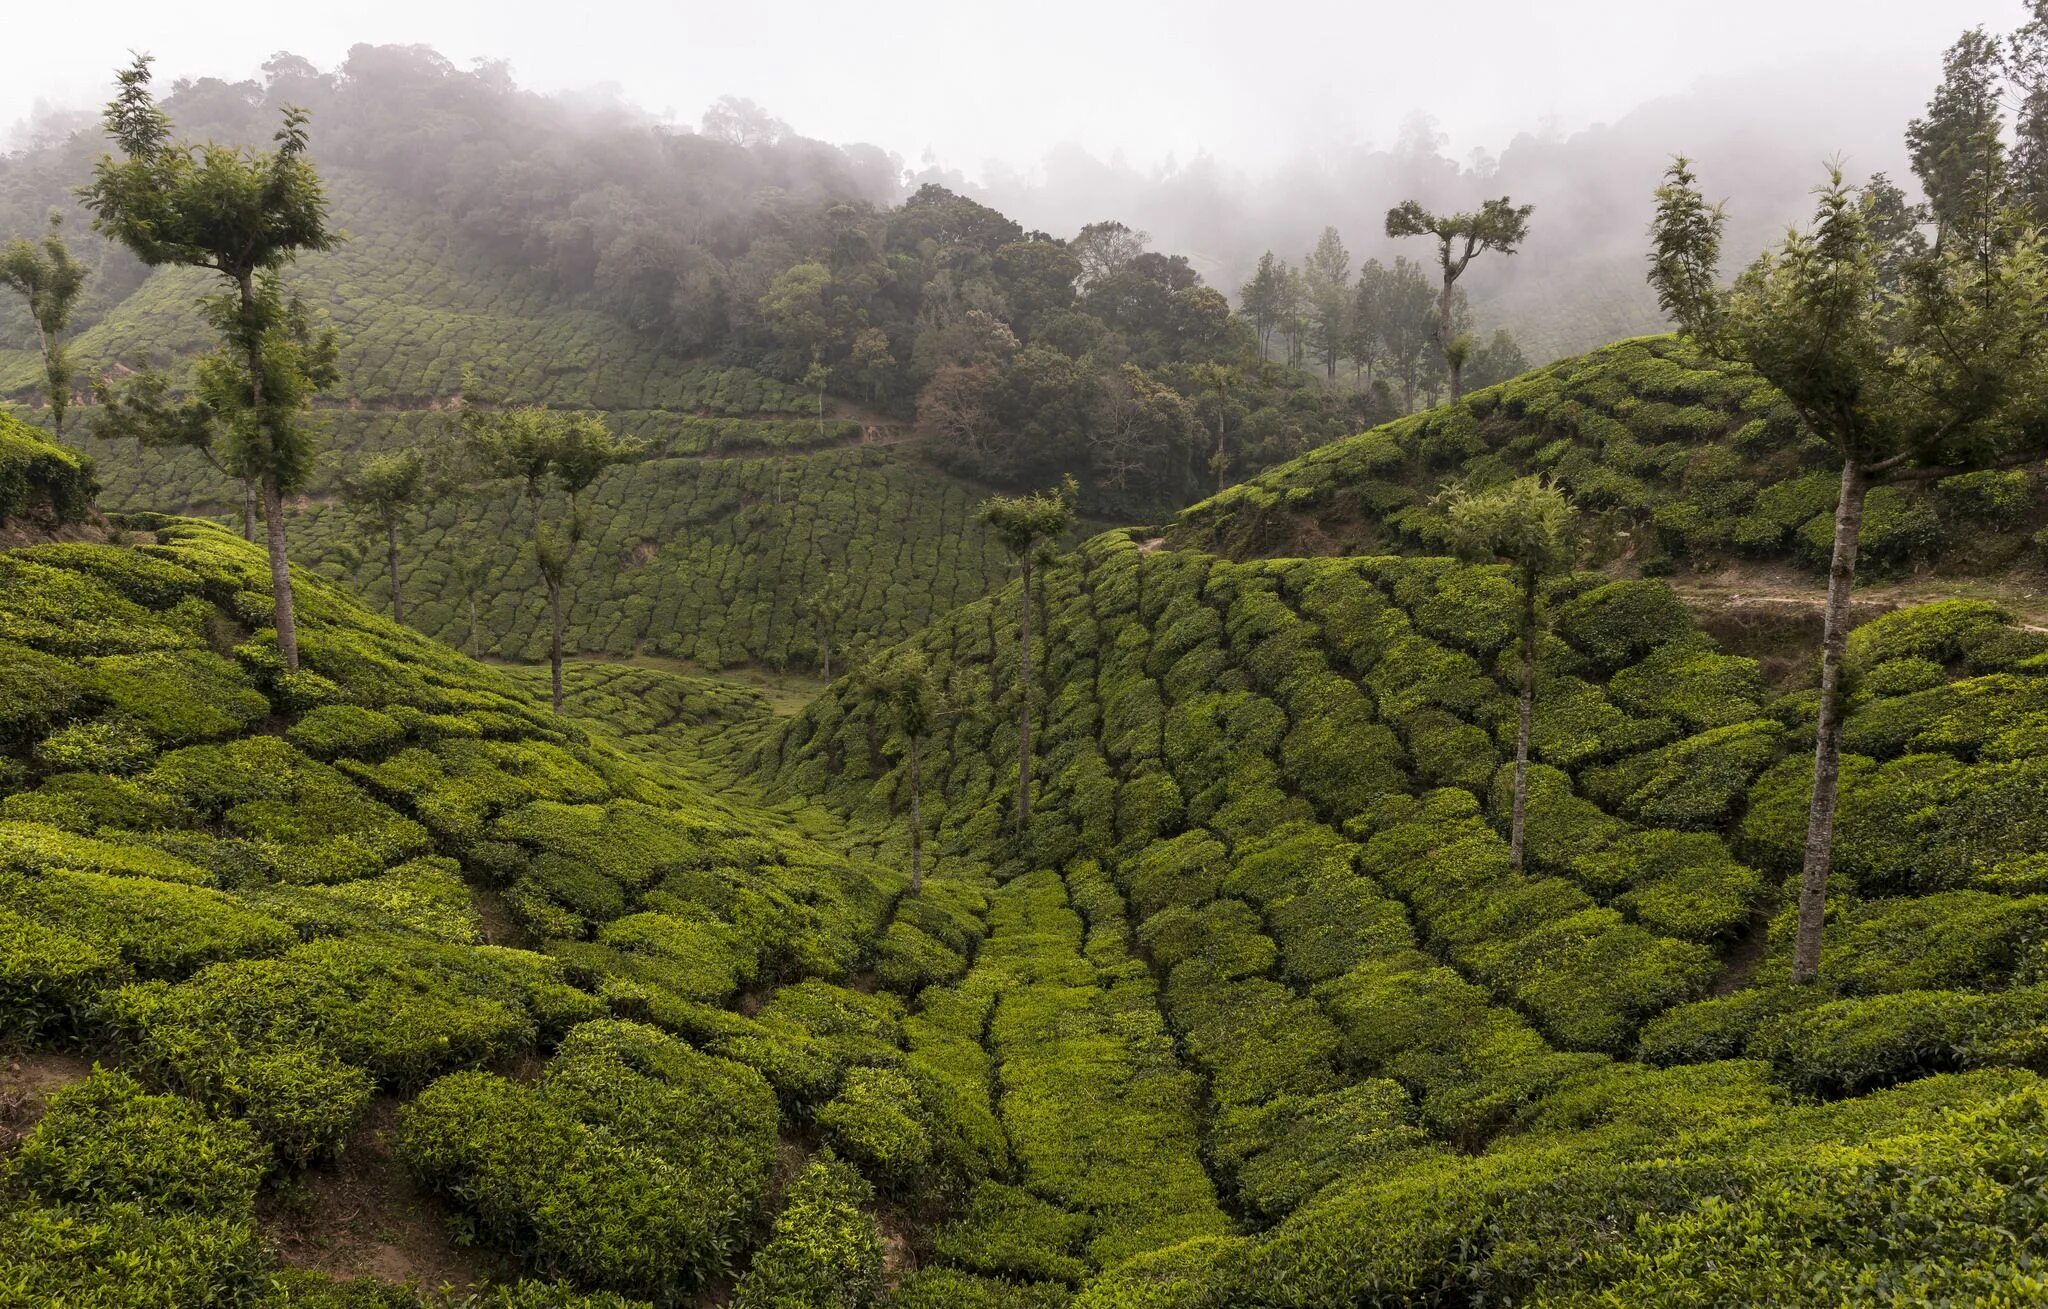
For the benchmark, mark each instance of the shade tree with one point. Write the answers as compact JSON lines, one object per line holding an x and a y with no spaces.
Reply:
{"x":49,"y":279}
{"x":543,"y":449}
{"x":1531,"y":526}
{"x":381,"y":491}
{"x":243,"y":214}
{"x":1027,"y":525}
{"x":1946,"y":376}
{"x":911,"y":701}
{"x":1498,"y":225}
{"x":1326,"y":277}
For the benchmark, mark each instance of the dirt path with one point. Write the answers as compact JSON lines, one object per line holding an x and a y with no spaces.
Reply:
{"x":1765,"y":586}
{"x":27,"y":1079}
{"x":363,"y":1216}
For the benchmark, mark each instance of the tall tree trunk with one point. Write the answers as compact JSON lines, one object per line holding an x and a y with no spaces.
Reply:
{"x":53,"y":384}
{"x":555,"y":640}
{"x":472,"y":624}
{"x":1518,"y":823}
{"x":391,"y":561}
{"x":1827,"y":736}
{"x":280,"y":572}
{"x":1221,"y":463}
{"x":249,"y":510}
{"x":916,"y":823}
{"x":273,"y":494}
{"x":1443,"y":339}
{"x":1024,"y":698}
{"x":1408,"y":393}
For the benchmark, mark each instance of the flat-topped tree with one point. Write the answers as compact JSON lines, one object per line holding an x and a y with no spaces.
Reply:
{"x":1947,"y":375}
{"x":1531,"y":526}
{"x":1460,"y":238}
{"x":380,"y":492}
{"x":545,"y":449}
{"x":244,"y":214}
{"x":907,"y":692}
{"x":45,"y":274}
{"x":1027,"y":525}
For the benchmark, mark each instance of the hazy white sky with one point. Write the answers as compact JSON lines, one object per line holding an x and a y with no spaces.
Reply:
{"x":973,"y":81}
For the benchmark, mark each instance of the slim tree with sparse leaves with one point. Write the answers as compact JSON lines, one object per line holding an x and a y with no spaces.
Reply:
{"x":907,"y":692}
{"x":243,"y":214}
{"x":380,"y":492}
{"x":1217,"y":379}
{"x":1027,"y":525}
{"x":826,"y":605}
{"x":544,"y":449}
{"x":1531,"y":526}
{"x":1945,"y":375}
{"x":45,"y":274}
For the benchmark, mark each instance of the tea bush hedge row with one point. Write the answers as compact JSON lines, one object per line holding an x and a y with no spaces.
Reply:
{"x":413,"y":307}
{"x":37,"y":474}
{"x":1678,"y":458}
{"x":274,"y":913}
{"x":634,"y":1163}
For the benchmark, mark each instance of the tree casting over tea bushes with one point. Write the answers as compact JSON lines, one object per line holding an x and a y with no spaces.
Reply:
{"x":244,"y":215}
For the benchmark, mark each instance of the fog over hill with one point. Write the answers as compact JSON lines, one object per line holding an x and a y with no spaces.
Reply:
{"x":1219,"y":133}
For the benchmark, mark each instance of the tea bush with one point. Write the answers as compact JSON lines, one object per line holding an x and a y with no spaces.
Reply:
{"x":635,"y":1163}
{"x":825,"y":1252}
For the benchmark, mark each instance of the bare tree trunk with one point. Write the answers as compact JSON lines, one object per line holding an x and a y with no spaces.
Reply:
{"x":555,"y":640}
{"x":57,"y":393}
{"x":1408,"y":394}
{"x":391,"y":562}
{"x":1443,"y":339}
{"x":1518,"y":823}
{"x":472,"y":624}
{"x":273,"y":494}
{"x":1221,"y":458}
{"x":1024,"y":698}
{"x":1827,"y":736}
{"x":916,"y":823}
{"x":249,"y":510}
{"x":280,"y":573}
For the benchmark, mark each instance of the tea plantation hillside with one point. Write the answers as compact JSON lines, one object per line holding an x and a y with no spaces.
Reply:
{"x":598,"y":1022}
{"x":1318,"y":1045}
{"x":414,"y":304}
{"x":734,"y":457}
{"x":1685,"y":462}
{"x":716,"y":561}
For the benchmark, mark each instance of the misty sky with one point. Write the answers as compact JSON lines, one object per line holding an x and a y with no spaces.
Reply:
{"x":1252,"y":83}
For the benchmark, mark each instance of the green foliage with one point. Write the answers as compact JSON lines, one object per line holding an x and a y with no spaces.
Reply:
{"x":825,"y":1252}
{"x":105,"y":1140}
{"x":874,"y":1122}
{"x":1006,"y":1231}
{"x":634,"y":1163}
{"x":39,"y":476}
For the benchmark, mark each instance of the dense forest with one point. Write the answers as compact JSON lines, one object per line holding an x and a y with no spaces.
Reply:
{"x":1491,"y":835}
